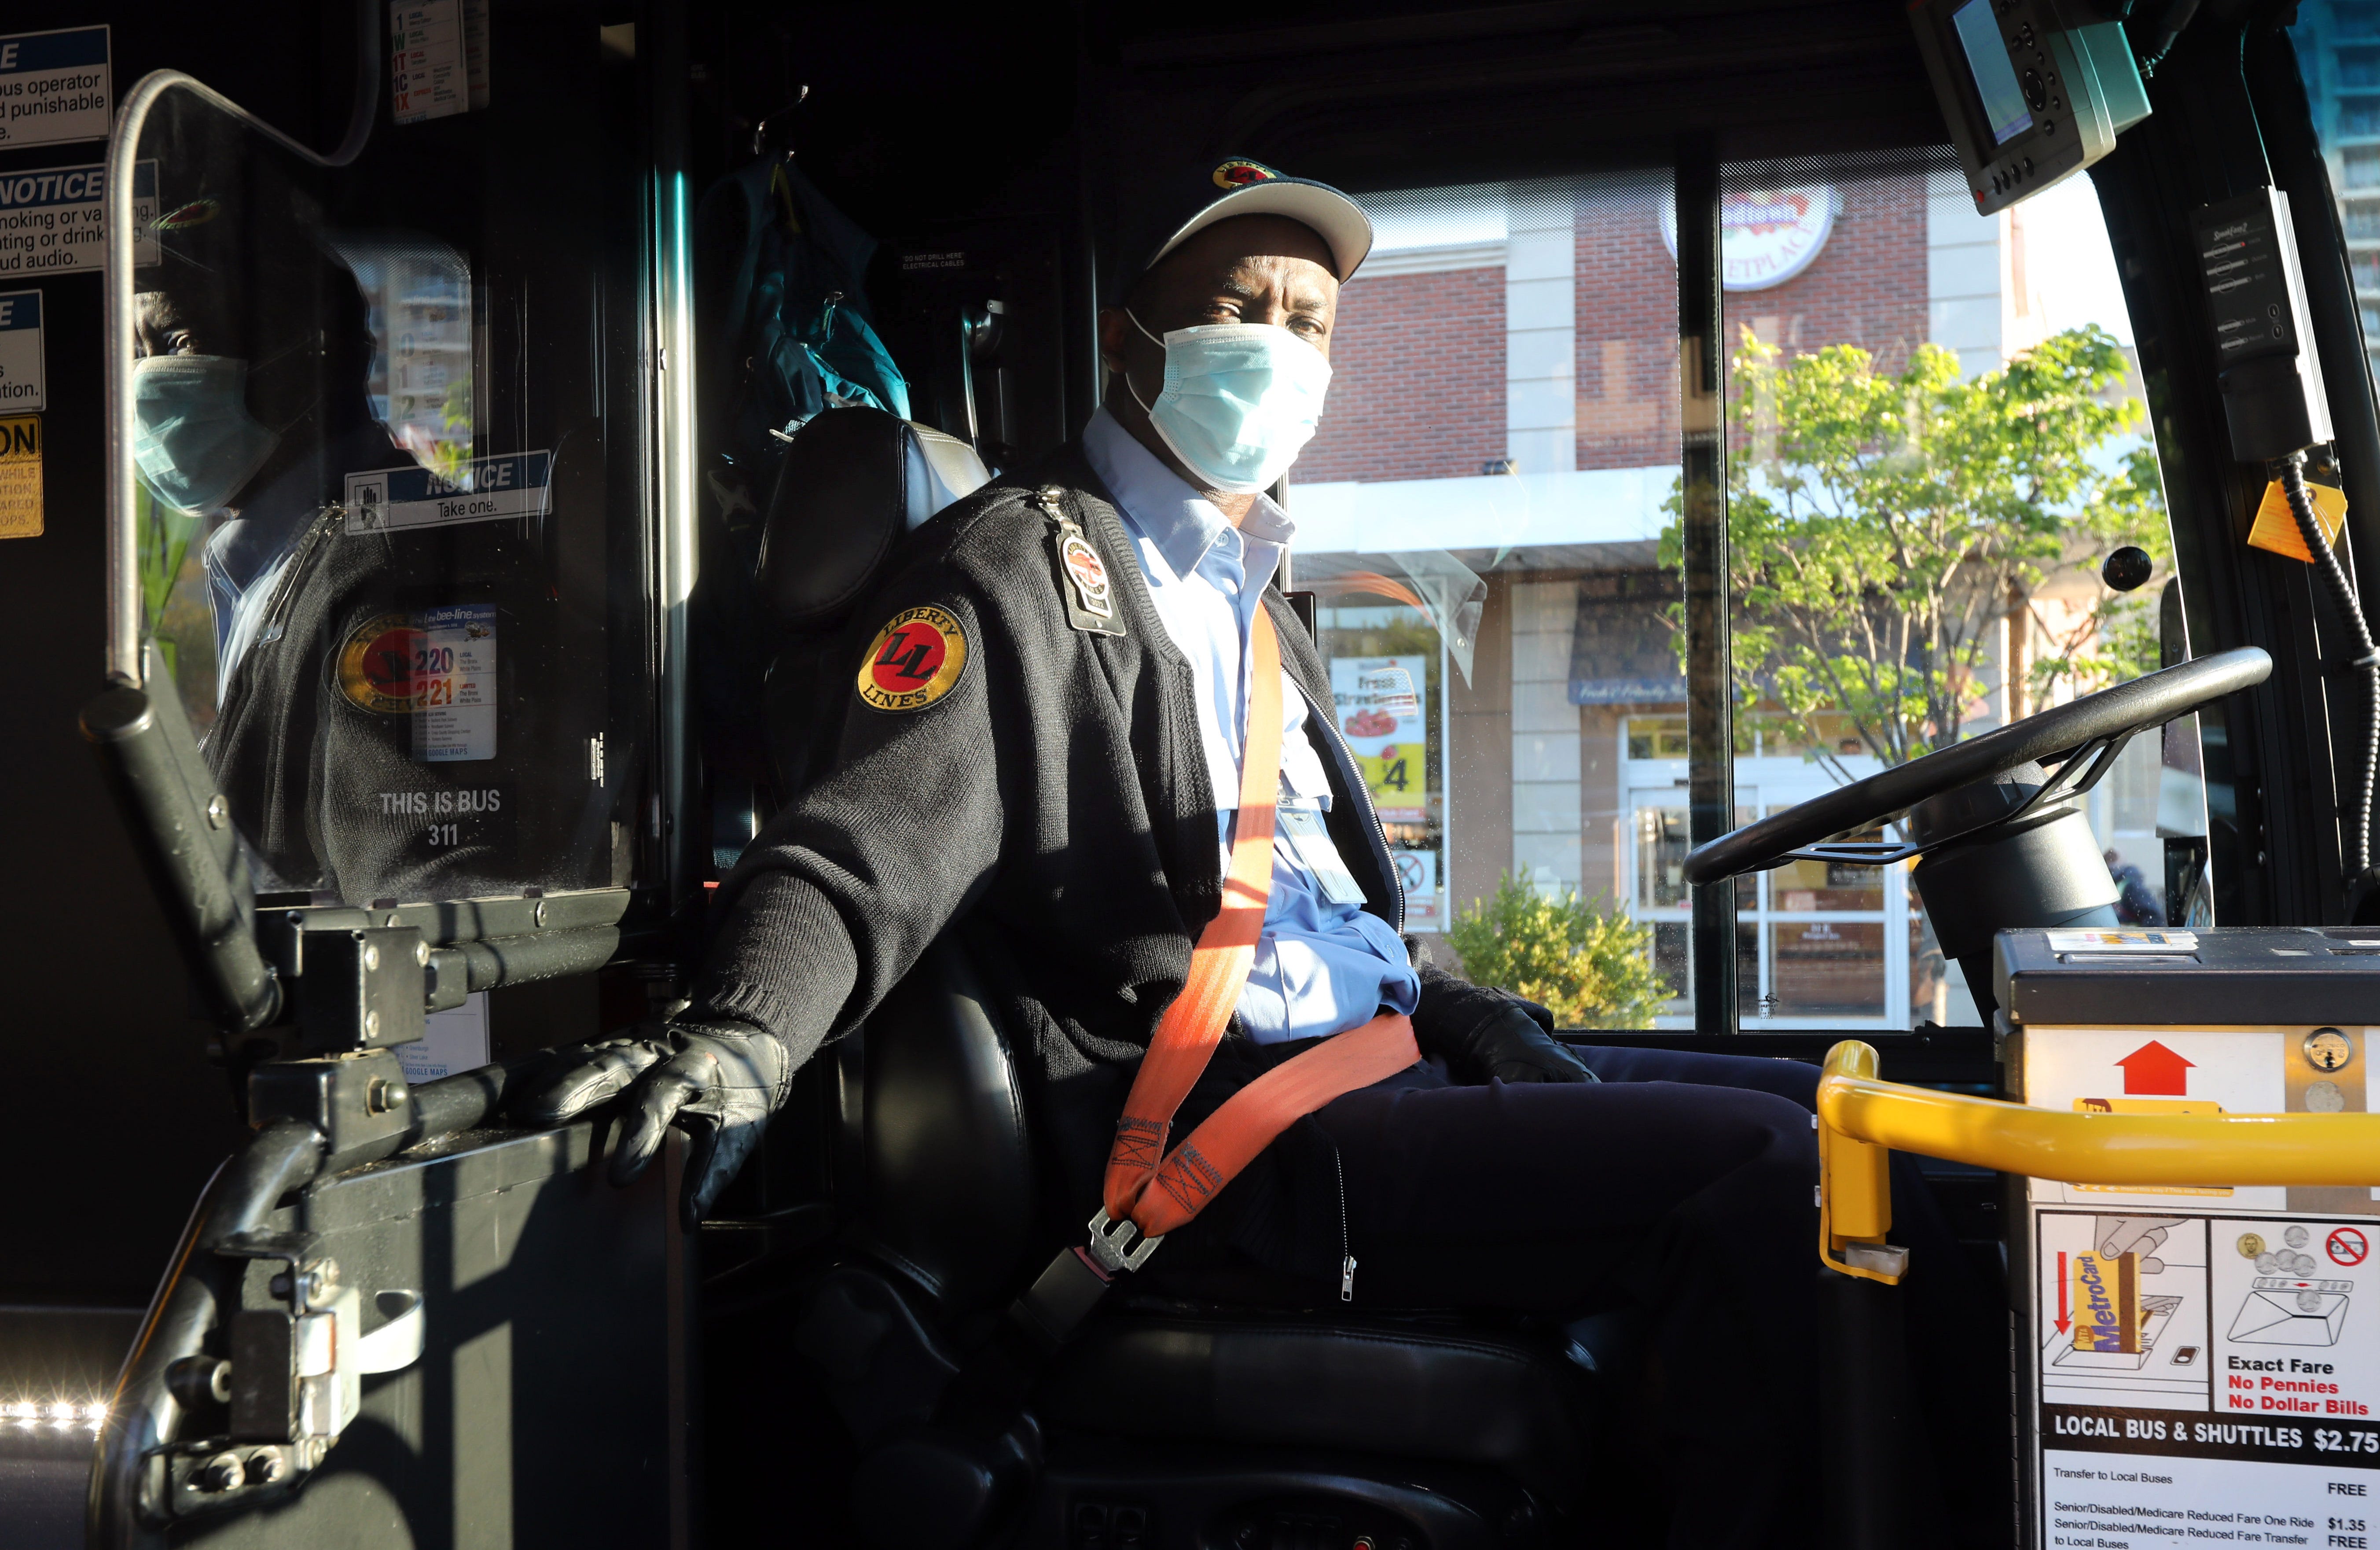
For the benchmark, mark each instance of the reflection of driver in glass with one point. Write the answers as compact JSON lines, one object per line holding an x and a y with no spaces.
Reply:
{"x":360,"y":673}
{"x":250,"y":350}
{"x":2135,"y":905}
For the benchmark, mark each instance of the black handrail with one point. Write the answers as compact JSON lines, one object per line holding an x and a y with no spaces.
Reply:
{"x":142,"y":1413}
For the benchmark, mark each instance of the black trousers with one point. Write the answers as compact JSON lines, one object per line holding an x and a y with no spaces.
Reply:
{"x":1681,"y":1185}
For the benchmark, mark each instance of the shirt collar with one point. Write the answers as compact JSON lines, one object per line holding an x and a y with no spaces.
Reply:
{"x":1160,"y":507}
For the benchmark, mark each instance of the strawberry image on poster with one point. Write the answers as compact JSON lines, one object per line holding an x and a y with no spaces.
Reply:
{"x":1381,"y":705}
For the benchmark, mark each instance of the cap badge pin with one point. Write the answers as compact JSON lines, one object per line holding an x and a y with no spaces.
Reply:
{"x":1239,"y":172}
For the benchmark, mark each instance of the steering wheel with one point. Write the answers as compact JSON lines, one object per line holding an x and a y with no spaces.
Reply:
{"x":2081,"y":738}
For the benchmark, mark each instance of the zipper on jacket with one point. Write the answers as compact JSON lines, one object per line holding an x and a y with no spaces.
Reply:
{"x":1346,"y":1255}
{"x":1396,"y":884}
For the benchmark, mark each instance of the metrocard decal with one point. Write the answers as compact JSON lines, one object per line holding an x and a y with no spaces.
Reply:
{"x":487,"y":489}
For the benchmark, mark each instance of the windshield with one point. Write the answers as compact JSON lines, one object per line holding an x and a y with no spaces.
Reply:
{"x":1490,"y":517}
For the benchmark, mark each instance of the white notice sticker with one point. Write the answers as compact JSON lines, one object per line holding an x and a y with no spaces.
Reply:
{"x":452,"y":1041}
{"x":2123,"y":941}
{"x":427,"y":77}
{"x":54,"y":87}
{"x":515,"y":484}
{"x":2230,"y":1385}
{"x":20,"y":352}
{"x":456,"y":684}
{"x":51,"y":219}
{"x":1417,"y":874}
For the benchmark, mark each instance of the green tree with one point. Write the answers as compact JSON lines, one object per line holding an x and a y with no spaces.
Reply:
{"x":1880,"y":524}
{"x":1591,"y":965}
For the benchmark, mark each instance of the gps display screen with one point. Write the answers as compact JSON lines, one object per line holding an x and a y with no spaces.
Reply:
{"x":1995,"y":78}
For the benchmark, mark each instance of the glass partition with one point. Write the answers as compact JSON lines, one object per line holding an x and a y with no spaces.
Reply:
{"x":1479,"y":515}
{"x":390,"y":537}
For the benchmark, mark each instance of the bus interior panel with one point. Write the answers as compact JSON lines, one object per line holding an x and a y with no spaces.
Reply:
{"x":1833,"y":537}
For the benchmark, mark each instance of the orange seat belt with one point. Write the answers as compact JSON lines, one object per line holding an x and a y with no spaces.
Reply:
{"x":1213,"y":1153}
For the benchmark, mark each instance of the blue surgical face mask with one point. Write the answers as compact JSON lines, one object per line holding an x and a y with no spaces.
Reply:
{"x":193,"y":439}
{"x":1239,"y":401}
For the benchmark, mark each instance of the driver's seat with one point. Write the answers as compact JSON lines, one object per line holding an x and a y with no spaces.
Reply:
{"x":1164,"y":1421}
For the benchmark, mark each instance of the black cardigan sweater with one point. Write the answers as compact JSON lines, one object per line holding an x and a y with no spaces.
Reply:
{"x":1053,"y":809}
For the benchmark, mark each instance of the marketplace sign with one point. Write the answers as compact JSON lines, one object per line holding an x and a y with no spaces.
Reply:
{"x":1767,"y":235}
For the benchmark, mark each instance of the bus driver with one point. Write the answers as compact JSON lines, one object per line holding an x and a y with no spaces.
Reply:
{"x":1048,"y":748}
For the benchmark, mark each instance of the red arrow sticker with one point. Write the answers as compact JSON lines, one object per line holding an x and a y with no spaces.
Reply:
{"x":2154,"y":1069}
{"x":2347,"y":1246}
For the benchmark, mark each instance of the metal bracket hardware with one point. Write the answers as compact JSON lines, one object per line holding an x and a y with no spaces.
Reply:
{"x":1111,"y":1244}
{"x":292,"y":1385}
{"x":358,"y":987}
{"x":358,"y":1101}
{"x":216,"y":1474}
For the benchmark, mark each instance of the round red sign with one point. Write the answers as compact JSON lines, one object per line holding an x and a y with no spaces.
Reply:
{"x":381,"y":665}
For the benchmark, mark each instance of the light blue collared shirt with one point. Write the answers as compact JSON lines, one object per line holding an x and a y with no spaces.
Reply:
{"x":1320,"y":968}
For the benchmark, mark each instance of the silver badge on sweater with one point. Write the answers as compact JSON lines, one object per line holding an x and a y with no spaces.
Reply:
{"x":1083,"y":580}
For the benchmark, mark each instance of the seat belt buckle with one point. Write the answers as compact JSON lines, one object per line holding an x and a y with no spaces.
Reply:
{"x":1111,"y":1243}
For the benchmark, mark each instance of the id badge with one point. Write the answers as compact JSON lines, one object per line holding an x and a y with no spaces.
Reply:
{"x":1303,"y":828}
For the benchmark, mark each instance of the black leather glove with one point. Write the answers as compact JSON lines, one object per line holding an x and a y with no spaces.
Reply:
{"x":1512,"y":1043}
{"x":719,"y":1082}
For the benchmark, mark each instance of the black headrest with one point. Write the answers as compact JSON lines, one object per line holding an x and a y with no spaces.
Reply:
{"x":853,"y":484}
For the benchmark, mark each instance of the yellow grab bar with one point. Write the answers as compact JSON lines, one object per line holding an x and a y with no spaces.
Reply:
{"x":1861,"y":1120}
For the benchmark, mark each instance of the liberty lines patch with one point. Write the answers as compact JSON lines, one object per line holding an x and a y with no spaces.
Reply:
{"x":915,"y":660}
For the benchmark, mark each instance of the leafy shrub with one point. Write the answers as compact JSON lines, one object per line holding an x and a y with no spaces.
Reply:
{"x":1582,"y":958}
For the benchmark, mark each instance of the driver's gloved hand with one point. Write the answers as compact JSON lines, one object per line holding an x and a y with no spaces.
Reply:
{"x":1512,"y":1042}
{"x":719,"y":1082}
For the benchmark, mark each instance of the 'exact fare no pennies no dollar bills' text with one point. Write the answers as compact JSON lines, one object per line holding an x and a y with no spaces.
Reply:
{"x":54,"y":87}
{"x":2206,"y":1359}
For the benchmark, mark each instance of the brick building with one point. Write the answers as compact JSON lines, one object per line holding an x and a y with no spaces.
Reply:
{"x":1506,"y":398}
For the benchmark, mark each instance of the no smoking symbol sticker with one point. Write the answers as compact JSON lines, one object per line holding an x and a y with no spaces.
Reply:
{"x":2345,"y":1246}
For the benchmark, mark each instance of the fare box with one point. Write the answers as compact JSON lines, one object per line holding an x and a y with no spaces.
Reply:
{"x":2199,"y":1362}
{"x":55,"y":87}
